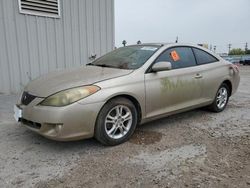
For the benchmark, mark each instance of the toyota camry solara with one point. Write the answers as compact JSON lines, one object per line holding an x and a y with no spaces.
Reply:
{"x":109,"y":97}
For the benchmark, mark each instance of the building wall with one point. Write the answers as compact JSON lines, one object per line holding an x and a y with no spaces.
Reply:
{"x":32,"y":45}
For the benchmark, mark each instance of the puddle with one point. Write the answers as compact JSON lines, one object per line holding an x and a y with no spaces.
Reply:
{"x":141,"y":137}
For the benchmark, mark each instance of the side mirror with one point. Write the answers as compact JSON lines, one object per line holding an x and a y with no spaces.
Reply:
{"x":161,"y":66}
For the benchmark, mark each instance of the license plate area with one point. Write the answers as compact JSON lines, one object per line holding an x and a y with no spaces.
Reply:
{"x":17,"y":113}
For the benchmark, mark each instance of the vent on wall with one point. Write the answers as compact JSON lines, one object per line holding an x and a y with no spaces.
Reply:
{"x":48,"y":8}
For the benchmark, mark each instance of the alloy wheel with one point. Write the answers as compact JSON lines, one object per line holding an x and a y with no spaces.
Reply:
{"x":222,"y":97}
{"x":118,"y":122}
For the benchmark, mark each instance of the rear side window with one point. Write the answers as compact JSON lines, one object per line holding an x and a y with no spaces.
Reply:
{"x":179,"y":57}
{"x":203,"y":57}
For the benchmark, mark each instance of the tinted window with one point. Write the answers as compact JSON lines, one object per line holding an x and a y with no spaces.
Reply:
{"x":179,"y":57}
{"x":203,"y":57}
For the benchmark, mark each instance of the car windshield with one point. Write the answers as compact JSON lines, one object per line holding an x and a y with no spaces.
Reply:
{"x":130,"y":57}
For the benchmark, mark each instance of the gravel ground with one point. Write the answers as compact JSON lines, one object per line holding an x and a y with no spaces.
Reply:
{"x":192,"y":149}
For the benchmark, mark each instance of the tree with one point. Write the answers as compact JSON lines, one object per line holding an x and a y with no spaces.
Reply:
{"x":247,"y":52}
{"x":236,"y":51}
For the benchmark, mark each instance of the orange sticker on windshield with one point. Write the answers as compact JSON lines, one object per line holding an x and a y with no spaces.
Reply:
{"x":175,"y":56}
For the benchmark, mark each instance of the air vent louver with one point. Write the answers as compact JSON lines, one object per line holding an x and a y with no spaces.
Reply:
{"x":48,"y":8}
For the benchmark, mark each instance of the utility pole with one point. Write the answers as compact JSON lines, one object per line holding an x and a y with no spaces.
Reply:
{"x":246,"y":47}
{"x":176,"y":41}
{"x":229,"y":48}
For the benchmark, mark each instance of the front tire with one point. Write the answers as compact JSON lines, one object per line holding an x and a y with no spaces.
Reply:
{"x":221,"y":99}
{"x":116,"y":122}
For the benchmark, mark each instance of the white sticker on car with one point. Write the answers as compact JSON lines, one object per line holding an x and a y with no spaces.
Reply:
{"x":149,"y":48}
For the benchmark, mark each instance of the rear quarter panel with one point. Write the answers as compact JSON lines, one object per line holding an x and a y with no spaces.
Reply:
{"x":214,"y":74}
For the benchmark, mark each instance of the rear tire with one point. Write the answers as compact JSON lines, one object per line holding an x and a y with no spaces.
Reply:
{"x":116,"y":122}
{"x":221,"y":99}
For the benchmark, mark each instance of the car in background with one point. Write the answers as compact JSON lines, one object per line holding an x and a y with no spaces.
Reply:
{"x":245,"y":61}
{"x":109,"y":97}
{"x":233,"y":60}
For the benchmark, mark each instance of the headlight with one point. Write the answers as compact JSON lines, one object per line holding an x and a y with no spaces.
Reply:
{"x":69,"y":96}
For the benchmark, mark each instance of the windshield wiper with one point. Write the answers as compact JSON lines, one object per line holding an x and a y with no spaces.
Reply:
{"x":101,"y":65}
{"x":104,"y":65}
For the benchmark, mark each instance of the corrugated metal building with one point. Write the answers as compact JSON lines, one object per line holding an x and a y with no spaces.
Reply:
{"x":39,"y":36}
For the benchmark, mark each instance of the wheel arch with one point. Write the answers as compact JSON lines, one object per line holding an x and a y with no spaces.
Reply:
{"x":133,"y":99}
{"x":229,"y":84}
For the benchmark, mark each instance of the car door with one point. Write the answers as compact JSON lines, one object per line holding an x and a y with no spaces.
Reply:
{"x":174,"y":89}
{"x":212,"y":71}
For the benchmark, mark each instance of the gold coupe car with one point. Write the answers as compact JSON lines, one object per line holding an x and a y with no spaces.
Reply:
{"x":109,"y":97}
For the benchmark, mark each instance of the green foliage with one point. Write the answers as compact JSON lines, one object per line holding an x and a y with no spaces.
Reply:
{"x":237,"y":51}
{"x":247,"y":52}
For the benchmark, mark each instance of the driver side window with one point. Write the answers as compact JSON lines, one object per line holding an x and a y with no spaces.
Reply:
{"x":179,"y":57}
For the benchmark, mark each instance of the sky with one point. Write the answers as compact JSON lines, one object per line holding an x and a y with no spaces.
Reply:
{"x":214,"y":22}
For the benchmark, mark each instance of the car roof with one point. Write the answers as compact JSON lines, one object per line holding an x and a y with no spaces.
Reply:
{"x":167,"y":44}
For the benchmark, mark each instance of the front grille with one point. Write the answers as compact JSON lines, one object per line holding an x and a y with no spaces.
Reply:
{"x":31,"y":124}
{"x":27,"y":98}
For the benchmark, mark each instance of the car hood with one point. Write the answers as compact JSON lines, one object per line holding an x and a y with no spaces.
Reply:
{"x":61,"y":80}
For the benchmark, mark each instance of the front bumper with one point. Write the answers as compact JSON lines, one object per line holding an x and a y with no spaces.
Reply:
{"x":72,"y":122}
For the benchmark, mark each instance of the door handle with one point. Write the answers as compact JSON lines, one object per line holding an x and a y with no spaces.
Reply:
{"x":198,"y":76}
